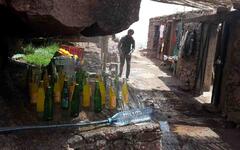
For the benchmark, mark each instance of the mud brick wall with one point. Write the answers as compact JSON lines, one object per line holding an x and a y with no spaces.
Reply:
{"x":187,"y":66}
{"x":230,"y":98}
{"x":175,"y":17}
{"x":151,"y":31}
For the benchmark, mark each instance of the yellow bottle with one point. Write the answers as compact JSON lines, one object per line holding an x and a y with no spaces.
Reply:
{"x":41,"y":98}
{"x":33,"y":88}
{"x":57,"y":92}
{"x":125,"y":92}
{"x":112,"y":98}
{"x":102,"y":90}
{"x":71,"y":89}
{"x":86,"y":94}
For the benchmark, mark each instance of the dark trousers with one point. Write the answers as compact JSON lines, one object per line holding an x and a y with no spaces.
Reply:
{"x":124,"y":57}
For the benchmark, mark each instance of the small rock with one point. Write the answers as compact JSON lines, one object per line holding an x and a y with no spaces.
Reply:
{"x":75,"y":141}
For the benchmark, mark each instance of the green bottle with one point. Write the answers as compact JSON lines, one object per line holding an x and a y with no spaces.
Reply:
{"x":65,"y":97}
{"x":75,"y":103}
{"x":97,"y":98}
{"x":48,"y":105}
{"x":80,"y":75}
{"x":116,"y":82}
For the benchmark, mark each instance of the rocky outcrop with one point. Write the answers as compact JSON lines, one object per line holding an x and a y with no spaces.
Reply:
{"x":236,"y":4}
{"x":72,"y":17}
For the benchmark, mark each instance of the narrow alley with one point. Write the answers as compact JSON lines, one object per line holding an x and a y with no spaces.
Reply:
{"x":193,"y":125}
{"x":120,"y":75}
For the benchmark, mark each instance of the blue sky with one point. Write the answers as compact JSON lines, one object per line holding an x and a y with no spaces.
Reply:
{"x":148,"y":10}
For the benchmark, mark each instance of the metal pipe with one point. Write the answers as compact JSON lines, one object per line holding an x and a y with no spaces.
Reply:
{"x":119,"y":119}
{"x":15,"y":129}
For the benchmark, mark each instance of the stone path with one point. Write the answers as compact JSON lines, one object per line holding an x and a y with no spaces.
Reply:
{"x":191,"y":126}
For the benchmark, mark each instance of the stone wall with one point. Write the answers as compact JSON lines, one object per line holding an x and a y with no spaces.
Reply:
{"x":230,"y":98}
{"x":151,"y":31}
{"x":187,"y":66}
{"x":131,"y":137}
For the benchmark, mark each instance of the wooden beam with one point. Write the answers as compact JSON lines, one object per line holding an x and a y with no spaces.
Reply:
{"x":215,"y":17}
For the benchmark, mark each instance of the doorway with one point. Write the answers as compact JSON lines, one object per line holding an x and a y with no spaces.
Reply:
{"x":210,"y":64}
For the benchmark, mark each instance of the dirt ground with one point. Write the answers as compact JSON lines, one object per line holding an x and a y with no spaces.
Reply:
{"x":193,"y":125}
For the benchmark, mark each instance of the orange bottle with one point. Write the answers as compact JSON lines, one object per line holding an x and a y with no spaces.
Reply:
{"x":112,"y":98}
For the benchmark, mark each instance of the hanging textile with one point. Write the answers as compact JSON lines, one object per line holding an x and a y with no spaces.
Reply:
{"x":182,"y":43}
{"x":166,"y":37}
{"x":188,"y":43}
{"x":179,"y":33}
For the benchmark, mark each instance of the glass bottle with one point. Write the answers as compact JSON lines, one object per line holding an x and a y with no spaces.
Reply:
{"x":45,"y":79}
{"x":86,"y":94}
{"x":57,"y":91}
{"x":97,"y":98}
{"x":40,"y":98}
{"x":125,"y":92}
{"x":75,"y":103}
{"x":102,"y":89}
{"x":112,"y":98}
{"x":64,"y":97}
{"x":48,"y":104}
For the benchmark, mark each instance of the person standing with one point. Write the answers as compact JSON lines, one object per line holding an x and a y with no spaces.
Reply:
{"x":126,"y":47}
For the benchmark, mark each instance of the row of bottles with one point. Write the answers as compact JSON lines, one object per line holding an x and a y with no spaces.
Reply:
{"x":72,"y":94}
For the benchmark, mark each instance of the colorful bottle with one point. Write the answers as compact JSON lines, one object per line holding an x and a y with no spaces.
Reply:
{"x":64,"y":97}
{"x":61,"y":80}
{"x":40,"y":98}
{"x":57,"y":91}
{"x":102,"y":90}
{"x":80,"y":75}
{"x":48,"y":105}
{"x":97,"y":98}
{"x":33,"y":92}
{"x":50,"y":81}
{"x":125,"y":92}
{"x":45,"y":79}
{"x":116,"y":83}
{"x":86,"y":94}
{"x":33,"y":87}
{"x":112,"y":98}
{"x":71,"y":88}
{"x":75,"y":103}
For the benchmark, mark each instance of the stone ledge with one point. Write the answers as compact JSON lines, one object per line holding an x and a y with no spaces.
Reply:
{"x":142,"y":136}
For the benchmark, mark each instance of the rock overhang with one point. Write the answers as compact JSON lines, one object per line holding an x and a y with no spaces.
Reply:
{"x":45,"y":18}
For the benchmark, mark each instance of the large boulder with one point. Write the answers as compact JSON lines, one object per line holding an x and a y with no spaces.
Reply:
{"x":236,"y":4}
{"x":67,"y":17}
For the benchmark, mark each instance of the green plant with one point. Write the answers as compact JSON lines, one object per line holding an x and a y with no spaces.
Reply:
{"x":29,"y":49}
{"x":42,"y":55}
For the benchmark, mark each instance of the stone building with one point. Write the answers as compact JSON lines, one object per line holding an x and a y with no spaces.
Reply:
{"x":204,"y":48}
